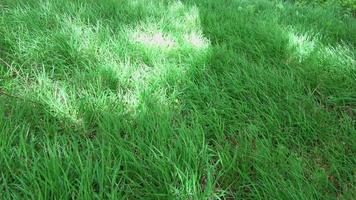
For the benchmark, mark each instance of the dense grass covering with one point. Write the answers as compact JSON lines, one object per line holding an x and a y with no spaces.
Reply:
{"x":200,"y":99}
{"x":349,"y":5}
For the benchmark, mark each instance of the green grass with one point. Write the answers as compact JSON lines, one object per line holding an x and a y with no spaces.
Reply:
{"x":193,"y":99}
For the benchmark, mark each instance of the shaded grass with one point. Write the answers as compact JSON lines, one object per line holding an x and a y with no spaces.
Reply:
{"x":176,"y":100}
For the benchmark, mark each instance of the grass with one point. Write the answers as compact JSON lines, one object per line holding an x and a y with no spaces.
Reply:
{"x":193,"y":99}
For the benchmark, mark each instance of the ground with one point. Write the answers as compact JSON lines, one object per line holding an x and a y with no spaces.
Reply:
{"x":167,"y":99}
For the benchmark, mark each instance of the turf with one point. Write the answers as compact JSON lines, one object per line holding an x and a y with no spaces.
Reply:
{"x":164,"y":99}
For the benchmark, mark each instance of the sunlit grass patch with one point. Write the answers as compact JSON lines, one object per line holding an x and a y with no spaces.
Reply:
{"x":302,"y":44}
{"x":343,"y":56}
{"x":183,"y":18}
{"x":151,"y":38}
{"x":82,"y":36}
{"x":56,"y":97}
{"x":196,"y":40}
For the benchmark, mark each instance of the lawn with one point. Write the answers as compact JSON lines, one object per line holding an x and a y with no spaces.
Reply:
{"x":168,"y":99}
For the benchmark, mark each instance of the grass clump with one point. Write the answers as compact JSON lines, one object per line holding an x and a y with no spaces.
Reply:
{"x":193,"y":99}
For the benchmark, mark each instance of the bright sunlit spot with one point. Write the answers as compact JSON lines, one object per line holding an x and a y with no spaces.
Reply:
{"x":83,"y":37}
{"x":340,"y":54}
{"x":196,"y":40}
{"x":153,"y":39}
{"x":302,"y":43}
{"x":184,"y":19}
{"x":57,"y":99}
